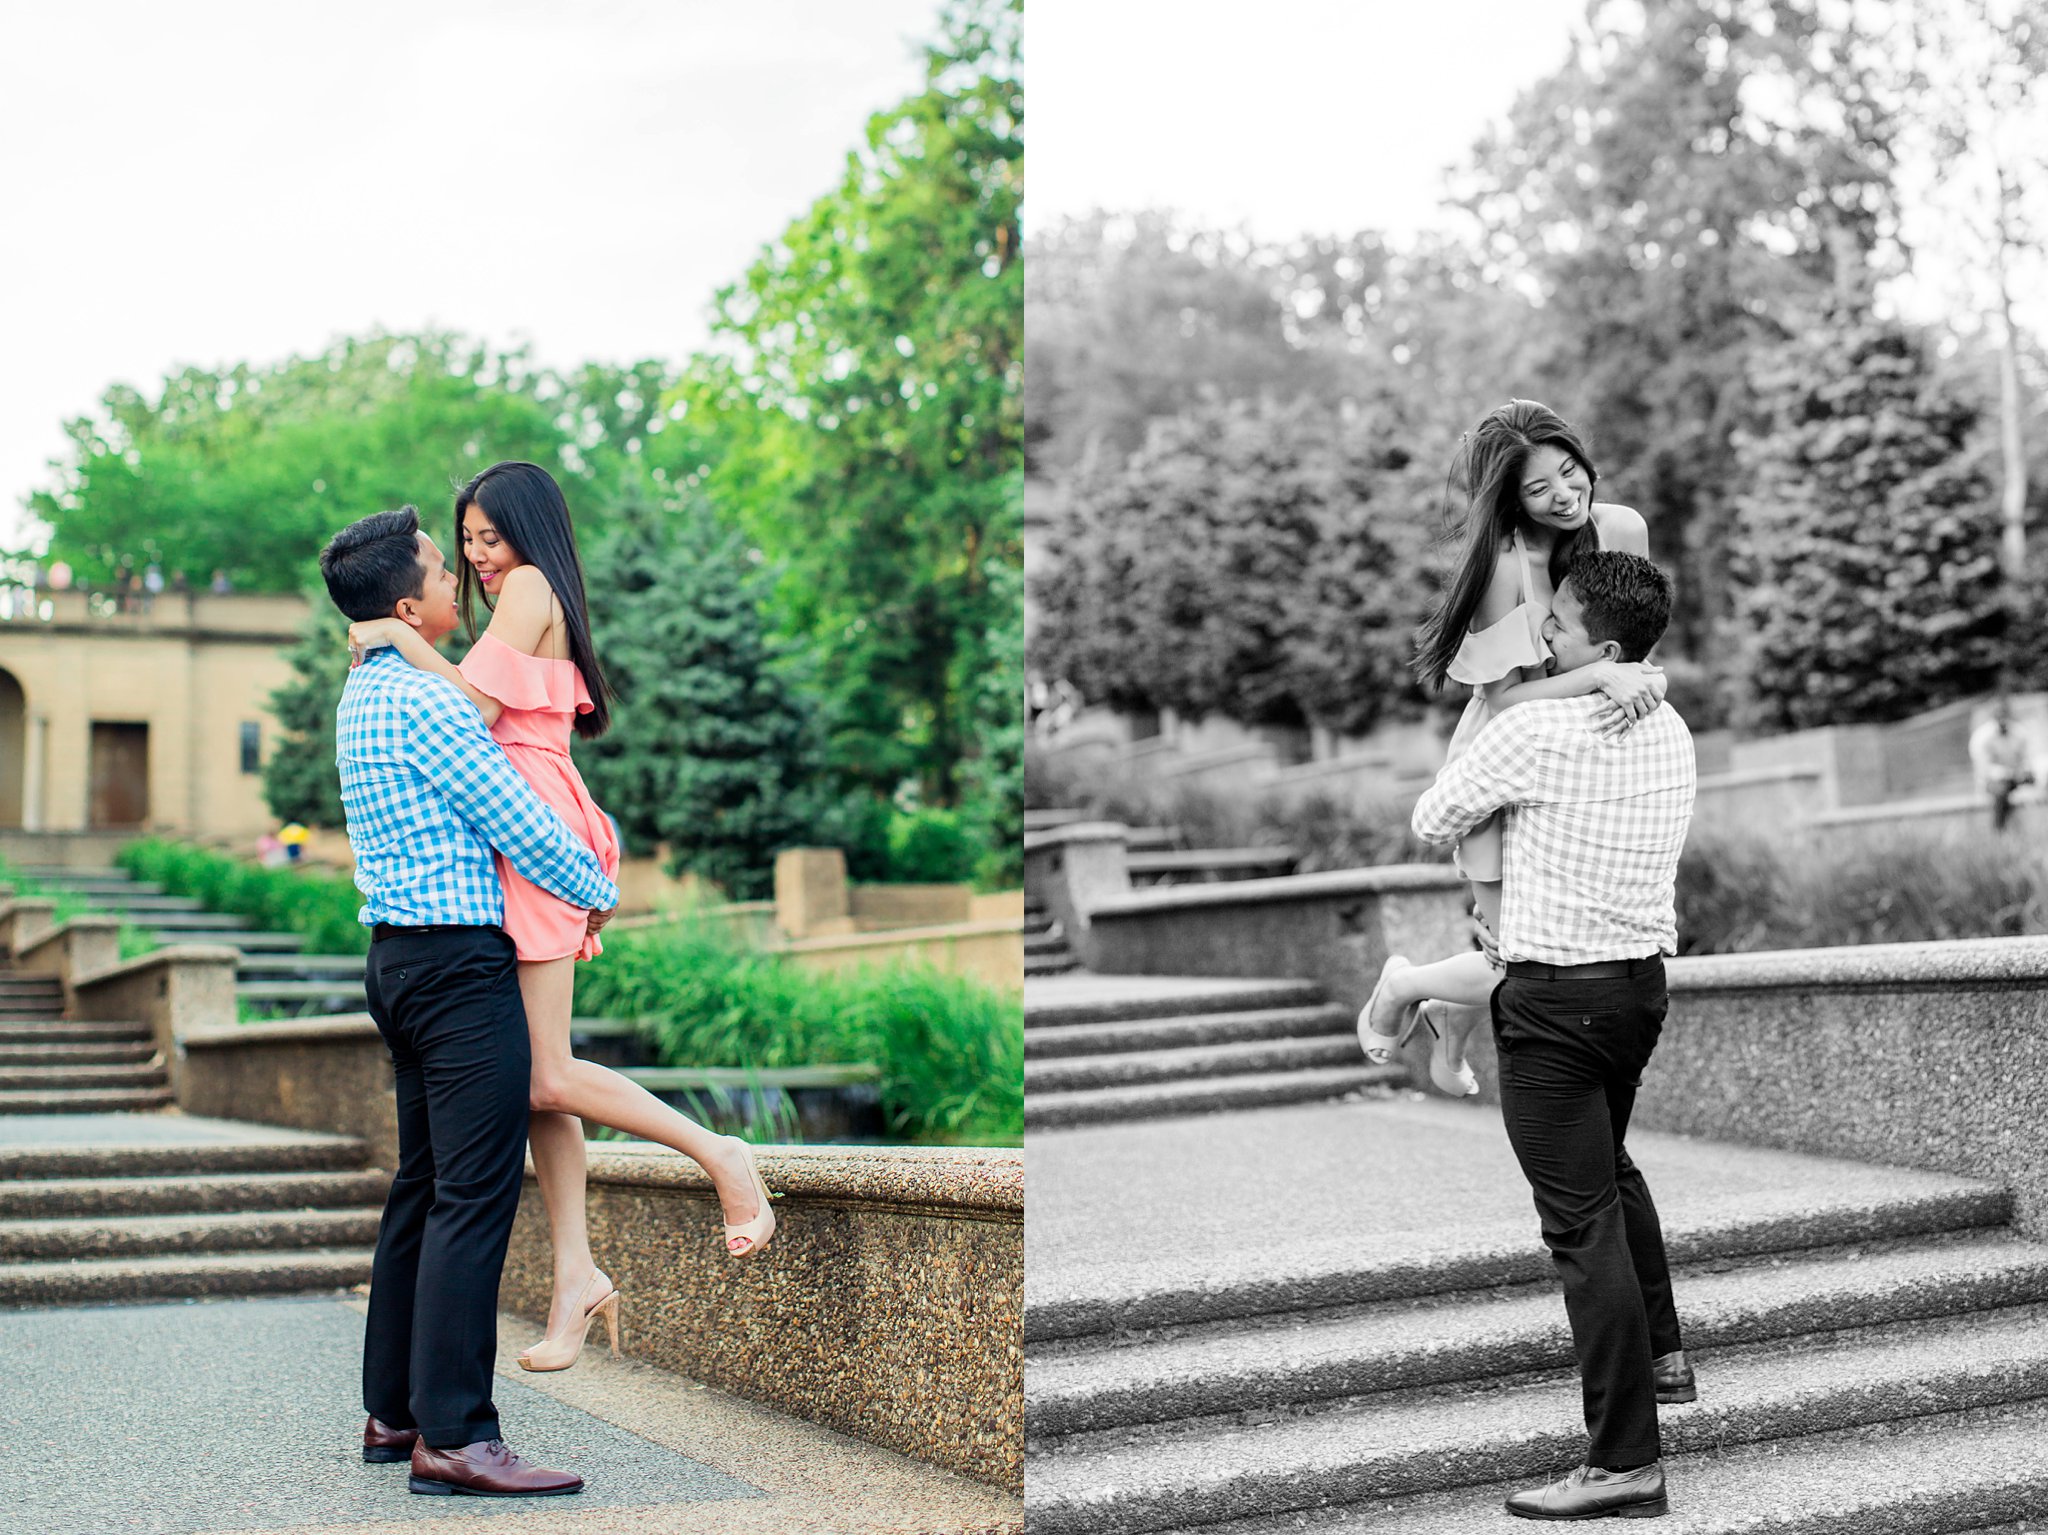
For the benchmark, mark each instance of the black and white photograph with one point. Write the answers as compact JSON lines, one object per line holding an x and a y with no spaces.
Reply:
{"x":1536,"y":869}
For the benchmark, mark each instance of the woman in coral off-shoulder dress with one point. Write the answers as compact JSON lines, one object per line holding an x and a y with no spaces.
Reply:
{"x":535,"y":678}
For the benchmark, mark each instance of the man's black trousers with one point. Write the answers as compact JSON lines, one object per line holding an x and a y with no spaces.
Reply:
{"x":1571,"y":1055}
{"x":447,"y":1003}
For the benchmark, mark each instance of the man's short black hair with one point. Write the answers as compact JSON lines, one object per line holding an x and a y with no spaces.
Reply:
{"x":372,"y":564}
{"x":1626,"y":599}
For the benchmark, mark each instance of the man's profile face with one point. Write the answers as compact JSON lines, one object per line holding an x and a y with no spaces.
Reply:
{"x":433,"y":612}
{"x":1565,"y":632}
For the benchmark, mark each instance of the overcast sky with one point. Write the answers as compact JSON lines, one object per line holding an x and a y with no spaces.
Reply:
{"x":240,"y":180}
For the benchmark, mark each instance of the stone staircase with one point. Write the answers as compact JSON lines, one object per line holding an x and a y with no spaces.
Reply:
{"x":1099,"y":1049}
{"x":1872,"y":1351}
{"x":1045,"y":945}
{"x":274,"y":978}
{"x":51,"y":1066}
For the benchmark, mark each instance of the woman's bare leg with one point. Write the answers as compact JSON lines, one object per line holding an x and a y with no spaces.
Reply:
{"x":563,"y":1085}
{"x":1464,"y":980}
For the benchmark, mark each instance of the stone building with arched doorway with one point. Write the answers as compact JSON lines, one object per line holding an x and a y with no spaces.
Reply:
{"x":115,"y":720}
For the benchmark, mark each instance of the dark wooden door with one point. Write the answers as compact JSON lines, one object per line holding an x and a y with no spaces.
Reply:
{"x":120,"y":774}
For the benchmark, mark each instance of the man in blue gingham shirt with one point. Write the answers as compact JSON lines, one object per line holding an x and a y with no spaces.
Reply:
{"x":1595,"y":825}
{"x":428,"y":795}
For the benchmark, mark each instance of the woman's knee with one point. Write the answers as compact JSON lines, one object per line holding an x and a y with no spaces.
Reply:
{"x":548,"y":1092}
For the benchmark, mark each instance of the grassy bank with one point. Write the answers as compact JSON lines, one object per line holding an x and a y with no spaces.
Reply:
{"x":318,"y":904}
{"x":951,"y":1052}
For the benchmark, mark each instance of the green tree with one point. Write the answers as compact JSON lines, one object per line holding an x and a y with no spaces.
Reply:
{"x":716,"y":746}
{"x":866,"y":424}
{"x":300,"y":781}
{"x":252,"y":469}
{"x":992,"y":777}
{"x":1867,"y":546}
{"x":1254,"y":560}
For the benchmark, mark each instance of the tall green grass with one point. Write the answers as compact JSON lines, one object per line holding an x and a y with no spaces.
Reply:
{"x":316,"y":903}
{"x":951,"y":1051}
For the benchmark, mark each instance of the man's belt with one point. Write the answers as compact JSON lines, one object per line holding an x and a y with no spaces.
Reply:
{"x":1598,"y":970}
{"x":384,"y":930}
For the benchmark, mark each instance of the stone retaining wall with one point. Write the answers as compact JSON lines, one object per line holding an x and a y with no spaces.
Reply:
{"x":890,"y":1305}
{"x":330,"y":1073}
{"x":1335,"y":928}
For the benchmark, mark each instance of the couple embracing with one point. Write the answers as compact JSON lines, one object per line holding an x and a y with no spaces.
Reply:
{"x":1567,"y":790}
{"x":486,"y":871}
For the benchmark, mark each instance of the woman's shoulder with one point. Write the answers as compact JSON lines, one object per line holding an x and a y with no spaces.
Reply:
{"x":525,"y":609}
{"x":1503,"y":592}
{"x":1621,"y":527}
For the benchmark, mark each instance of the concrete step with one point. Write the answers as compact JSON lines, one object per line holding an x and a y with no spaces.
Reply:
{"x":104,"y":1159}
{"x":1045,"y":943}
{"x":57,"y":1031}
{"x":141,"y":905}
{"x":1307,"y":1278}
{"x":1051,"y":1110}
{"x":299,"y":966}
{"x":195,"y":921}
{"x":271,"y":991}
{"x":87,"y":1100}
{"x":1984,"y":1471}
{"x":1190,"y":1372}
{"x":191,"y":1193}
{"x":54,"y":873}
{"x":1133,"y":1068}
{"x":127,"y":1236}
{"x":1112,"y":999}
{"x":64,"y":1077}
{"x":1036,"y":923}
{"x":1408,"y":1443}
{"x":248,"y":943}
{"x":91,"y":1053}
{"x":182,"y":1276}
{"x":1185,"y":1033}
{"x":1062,"y":963}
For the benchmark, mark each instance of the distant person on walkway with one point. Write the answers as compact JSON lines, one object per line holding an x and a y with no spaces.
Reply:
{"x":1593,"y":834}
{"x":428,"y":796}
{"x":535,"y":678}
{"x":1529,"y":510}
{"x":221,"y":585}
{"x":1998,"y":754}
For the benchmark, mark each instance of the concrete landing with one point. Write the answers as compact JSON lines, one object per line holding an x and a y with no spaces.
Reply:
{"x":169,"y":1129}
{"x":1171,"y":1220}
{"x":244,"y":1416}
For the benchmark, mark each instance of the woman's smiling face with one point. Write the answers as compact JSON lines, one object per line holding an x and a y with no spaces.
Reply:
{"x":1555,"y":490}
{"x":488,"y":554}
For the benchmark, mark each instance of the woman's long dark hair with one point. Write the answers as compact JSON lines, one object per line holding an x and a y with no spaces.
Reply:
{"x":525,"y":505}
{"x":1488,"y":470}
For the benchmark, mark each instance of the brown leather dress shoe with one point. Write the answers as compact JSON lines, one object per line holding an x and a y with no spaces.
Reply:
{"x":1591,"y":1493}
{"x":383,"y":1444}
{"x":485,"y":1469}
{"x":1674,"y":1378}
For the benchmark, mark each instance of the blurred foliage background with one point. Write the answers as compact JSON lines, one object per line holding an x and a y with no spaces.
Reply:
{"x":800,"y":544}
{"x":1689,"y":238}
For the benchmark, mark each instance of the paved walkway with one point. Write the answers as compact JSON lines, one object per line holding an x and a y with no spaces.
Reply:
{"x":244,"y":1416}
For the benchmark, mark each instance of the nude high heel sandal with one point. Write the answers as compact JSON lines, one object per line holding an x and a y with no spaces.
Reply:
{"x":756,"y":1232}
{"x":1459,"y":1081}
{"x":559,"y":1353}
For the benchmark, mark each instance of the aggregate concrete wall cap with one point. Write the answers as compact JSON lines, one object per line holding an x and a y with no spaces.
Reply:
{"x":1908,"y":810}
{"x":1385,"y":879}
{"x":1742,"y":776}
{"x":1078,"y":831}
{"x":887,"y":937}
{"x":1969,"y":962}
{"x":179,"y":953}
{"x":334,"y":1029}
{"x":987,"y":1182}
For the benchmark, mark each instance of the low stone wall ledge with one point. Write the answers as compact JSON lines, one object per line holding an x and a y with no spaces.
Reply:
{"x":1076,"y":831}
{"x":896,"y":937}
{"x":984,"y":1183}
{"x":1384,"y":879}
{"x":329,"y":1029}
{"x":1969,"y":961}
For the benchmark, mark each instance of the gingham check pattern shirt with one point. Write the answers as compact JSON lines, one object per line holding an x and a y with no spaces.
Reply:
{"x":428,"y":794}
{"x":1590,"y":860}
